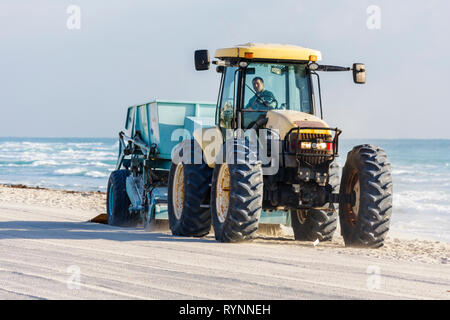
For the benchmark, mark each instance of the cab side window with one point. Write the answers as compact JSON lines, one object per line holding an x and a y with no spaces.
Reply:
{"x":228,"y":99}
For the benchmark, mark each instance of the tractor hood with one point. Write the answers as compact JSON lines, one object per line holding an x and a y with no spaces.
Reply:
{"x":285,"y":120}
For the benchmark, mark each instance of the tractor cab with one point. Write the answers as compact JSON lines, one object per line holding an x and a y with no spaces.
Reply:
{"x":257,"y":78}
{"x":266,"y":86}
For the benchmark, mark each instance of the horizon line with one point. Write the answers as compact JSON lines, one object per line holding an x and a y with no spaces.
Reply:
{"x":72,"y":137}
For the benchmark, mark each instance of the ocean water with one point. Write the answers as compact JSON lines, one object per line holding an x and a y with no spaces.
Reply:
{"x":420,"y":173}
{"x":60,"y":163}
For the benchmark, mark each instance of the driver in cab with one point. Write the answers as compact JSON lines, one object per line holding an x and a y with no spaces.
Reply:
{"x":263,"y":100}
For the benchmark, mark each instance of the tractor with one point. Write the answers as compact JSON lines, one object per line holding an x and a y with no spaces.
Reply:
{"x":261,"y":154}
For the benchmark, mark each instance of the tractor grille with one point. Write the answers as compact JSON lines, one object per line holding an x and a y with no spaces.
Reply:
{"x":312,"y":145}
{"x":315,"y":158}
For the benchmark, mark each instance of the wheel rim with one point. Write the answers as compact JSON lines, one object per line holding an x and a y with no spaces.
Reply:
{"x":110,"y":199}
{"x":301,"y":216}
{"x":223,"y":193}
{"x":353,"y":190}
{"x":178,"y":191}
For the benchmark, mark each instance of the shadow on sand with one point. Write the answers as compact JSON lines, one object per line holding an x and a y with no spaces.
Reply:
{"x":84,"y":231}
{"x":93,"y":231}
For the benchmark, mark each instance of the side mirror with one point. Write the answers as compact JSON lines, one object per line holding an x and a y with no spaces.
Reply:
{"x":201,"y":58}
{"x":359,"y":73}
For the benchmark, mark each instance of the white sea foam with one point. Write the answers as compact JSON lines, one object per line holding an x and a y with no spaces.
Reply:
{"x":402,"y":172}
{"x":427,"y":202}
{"x":97,"y":164}
{"x":96,"y":174}
{"x":84,"y":144}
{"x":11,"y":165}
{"x":71,"y":171}
{"x":41,"y":163}
{"x":422,"y":212}
{"x":428,"y":196}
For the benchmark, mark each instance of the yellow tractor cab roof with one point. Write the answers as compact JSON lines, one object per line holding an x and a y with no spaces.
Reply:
{"x":269,"y":51}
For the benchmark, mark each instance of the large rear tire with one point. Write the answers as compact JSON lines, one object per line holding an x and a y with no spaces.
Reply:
{"x":188,"y":199}
{"x":236,"y":197}
{"x":365,"y":205}
{"x":118,"y":203}
{"x":318,"y":224}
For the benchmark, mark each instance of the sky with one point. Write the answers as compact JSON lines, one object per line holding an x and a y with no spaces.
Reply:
{"x":57,"y":81}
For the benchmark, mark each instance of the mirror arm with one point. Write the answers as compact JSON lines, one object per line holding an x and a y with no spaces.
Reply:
{"x":328,"y":68}
{"x":223,"y":63}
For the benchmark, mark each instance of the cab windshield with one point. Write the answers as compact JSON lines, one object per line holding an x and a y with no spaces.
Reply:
{"x":272,"y":86}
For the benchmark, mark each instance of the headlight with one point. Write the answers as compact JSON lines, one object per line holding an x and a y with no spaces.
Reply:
{"x":305,"y":145}
{"x":316,"y":145}
{"x":320,"y":146}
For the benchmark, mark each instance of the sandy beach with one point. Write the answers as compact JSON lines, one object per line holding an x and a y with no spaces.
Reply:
{"x":49,"y":250}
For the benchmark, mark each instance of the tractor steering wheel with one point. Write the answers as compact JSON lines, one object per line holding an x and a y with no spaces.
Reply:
{"x":267,"y":102}
{"x":276,"y":103}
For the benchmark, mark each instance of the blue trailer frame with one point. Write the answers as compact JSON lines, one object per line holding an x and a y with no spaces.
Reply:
{"x":151,"y":132}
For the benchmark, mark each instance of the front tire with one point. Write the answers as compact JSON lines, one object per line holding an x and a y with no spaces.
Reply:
{"x":236,"y":198}
{"x":365,"y":205}
{"x":118,"y":203}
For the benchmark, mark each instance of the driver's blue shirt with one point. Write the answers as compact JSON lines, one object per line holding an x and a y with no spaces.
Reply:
{"x":255,"y":102}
